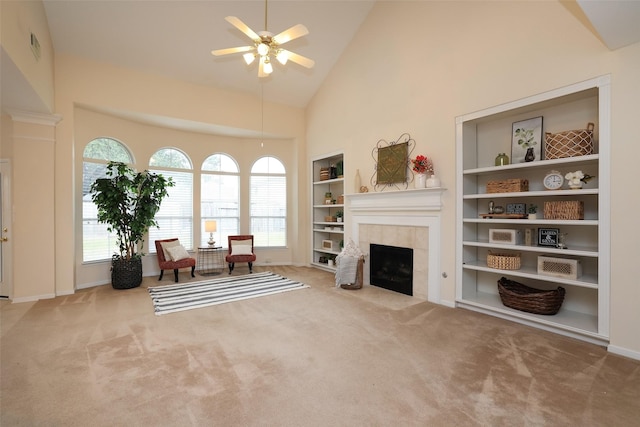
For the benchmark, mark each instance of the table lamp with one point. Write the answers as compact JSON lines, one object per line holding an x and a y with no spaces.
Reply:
{"x":210,"y":227}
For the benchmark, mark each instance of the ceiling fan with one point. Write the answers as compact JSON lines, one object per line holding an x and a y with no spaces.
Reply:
{"x":266,"y":46}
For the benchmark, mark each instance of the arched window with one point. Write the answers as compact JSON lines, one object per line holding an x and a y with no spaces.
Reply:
{"x":220,"y":197}
{"x":175,"y":217}
{"x":97,"y":242}
{"x":268,"y":202}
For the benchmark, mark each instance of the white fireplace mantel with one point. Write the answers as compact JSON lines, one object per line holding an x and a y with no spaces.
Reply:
{"x":424,"y":199}
{"x":418,"y":208}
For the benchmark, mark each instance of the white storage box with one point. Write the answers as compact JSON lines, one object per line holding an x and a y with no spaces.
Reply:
{"x":505,"y":236}
{"x":565,"y":268}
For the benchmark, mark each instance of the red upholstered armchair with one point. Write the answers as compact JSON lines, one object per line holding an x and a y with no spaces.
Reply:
{"x":173,"y":256}
{"x":240,"y":250}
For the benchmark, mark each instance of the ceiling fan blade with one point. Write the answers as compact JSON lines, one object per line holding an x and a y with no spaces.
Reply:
{"x":299,"y":59}
{"x":236,"y":22}
{"x":290,"y":34}
{"x":219,"y":52}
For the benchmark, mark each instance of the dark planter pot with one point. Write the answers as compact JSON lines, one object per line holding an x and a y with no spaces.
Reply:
{"x":126,"y":274}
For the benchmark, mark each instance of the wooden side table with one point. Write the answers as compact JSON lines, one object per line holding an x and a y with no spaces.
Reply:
{"x":210,"y":260}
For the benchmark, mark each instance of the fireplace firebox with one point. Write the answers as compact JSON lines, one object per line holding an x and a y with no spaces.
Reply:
{"x":391,"y":268}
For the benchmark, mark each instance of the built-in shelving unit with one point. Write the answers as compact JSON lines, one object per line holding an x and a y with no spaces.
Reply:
{"x":480,"y":136}
{"x":327,"y":235}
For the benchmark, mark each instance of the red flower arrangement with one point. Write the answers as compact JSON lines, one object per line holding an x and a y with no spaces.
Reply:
{"x":422,"y":164}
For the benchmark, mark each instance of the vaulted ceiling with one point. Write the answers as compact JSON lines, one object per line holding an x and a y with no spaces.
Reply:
{"x":174,"y":38}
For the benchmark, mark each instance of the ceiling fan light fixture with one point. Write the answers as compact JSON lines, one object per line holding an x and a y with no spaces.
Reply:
{"x":249,"y":58}
{"x":263,"y":49}
{"x":268,"y":68}
{"x":282,"y":57}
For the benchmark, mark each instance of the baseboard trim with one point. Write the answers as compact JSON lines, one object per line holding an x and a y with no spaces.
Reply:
{"x":32,"y":298}
{"x":621,"y":351}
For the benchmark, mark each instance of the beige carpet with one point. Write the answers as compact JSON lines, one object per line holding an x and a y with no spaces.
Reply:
{"x":322,"y":357}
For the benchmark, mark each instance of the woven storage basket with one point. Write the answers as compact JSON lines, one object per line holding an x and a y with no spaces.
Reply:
{"x":521,"y":297}
{"x":570,"y":143}
{"x":567,"y":209}
{"x":359,"y":275}
{"x":330,"y":219}
{"x":503,"y":261}
{"x":507,"y":186}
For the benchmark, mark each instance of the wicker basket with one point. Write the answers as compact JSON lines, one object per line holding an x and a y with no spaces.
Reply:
{"x":359,"y":275}
{"x":567,"y":209}
{"x":329,"y":218}
{"x":570,"y":143}
{"x":521,"y":297}
{"x":503,"y":261}
{"x":507,"y":186}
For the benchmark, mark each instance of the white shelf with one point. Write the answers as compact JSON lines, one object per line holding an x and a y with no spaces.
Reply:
{"x":566,"y":322}
{"x":479,"y":137}
{"x":585,"y":281}
{"x":545,"y":193}
{"x":573,"y":251}
{"x":541,"y":164}
{"x":322,"y":230}
{"x":527,"y":222}
{"x":320,"y":210}
{"x":328,"y":181}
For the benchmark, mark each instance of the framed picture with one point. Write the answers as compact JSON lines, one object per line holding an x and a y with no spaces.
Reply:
{"x":327,"y":244}
{"x":548,"y":237}
{"x":526,"y":140}
{"x":392,"y":163}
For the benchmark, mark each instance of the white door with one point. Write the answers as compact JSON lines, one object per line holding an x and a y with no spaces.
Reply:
{"x":6,"y":289}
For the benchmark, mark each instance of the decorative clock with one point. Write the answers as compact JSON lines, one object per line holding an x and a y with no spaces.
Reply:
{"x":516,"y":208}
{"x":553,"y":180}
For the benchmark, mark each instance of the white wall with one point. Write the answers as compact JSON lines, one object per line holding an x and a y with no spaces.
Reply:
{"x":414,"y":66}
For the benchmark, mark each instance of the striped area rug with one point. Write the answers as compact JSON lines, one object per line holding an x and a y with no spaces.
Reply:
{"x":172,"y":298}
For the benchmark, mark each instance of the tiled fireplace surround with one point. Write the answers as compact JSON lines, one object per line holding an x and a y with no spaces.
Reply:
{"x":405,"y":218}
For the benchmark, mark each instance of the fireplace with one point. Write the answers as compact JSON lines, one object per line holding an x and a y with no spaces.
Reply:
{"x":407,"y":219}
{"x":391,"y":267}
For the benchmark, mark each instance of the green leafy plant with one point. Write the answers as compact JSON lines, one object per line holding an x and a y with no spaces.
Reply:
{"x":533,"y":209}
{"x":127,"y":201}
{"x":339,"y":214}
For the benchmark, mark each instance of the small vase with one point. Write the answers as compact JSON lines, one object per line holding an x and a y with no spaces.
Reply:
{"x":421,"y":180}
{"x":530,"y":156}
{"x":357,"y":183}
{"x":433,"y":182}
{"x":502,"y":159}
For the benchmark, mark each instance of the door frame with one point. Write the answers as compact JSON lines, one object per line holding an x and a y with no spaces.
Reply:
{"x":6,"y":277}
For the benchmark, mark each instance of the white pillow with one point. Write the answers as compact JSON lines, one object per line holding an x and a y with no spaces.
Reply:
{"x":241,"y":247}
{"x":166,"y":246}
{"x":178,"y":252}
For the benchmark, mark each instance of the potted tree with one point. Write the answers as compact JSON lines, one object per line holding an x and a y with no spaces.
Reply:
{"x":127,"y":201}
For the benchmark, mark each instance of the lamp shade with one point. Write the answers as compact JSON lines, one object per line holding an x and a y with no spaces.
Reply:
{"x":210,"y":226}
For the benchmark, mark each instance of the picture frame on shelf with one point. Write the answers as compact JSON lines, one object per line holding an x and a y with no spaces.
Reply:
{"x":526,"y":140}
{"x":548,"y":237}
{"x":327,"y":245}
